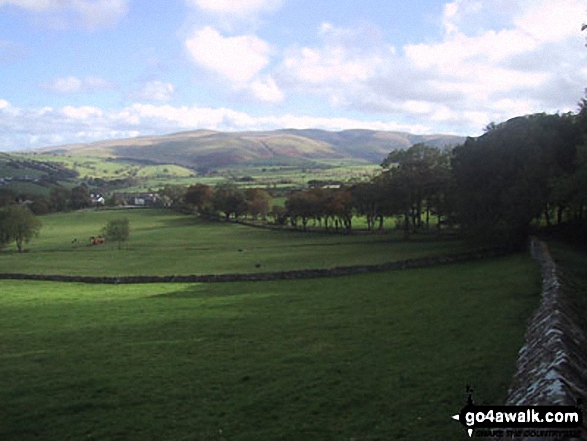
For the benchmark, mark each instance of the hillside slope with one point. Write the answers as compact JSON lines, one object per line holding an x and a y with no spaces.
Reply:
{"x":205,"y":149}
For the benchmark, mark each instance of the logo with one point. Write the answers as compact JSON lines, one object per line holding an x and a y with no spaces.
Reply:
{"x":511,"y":421}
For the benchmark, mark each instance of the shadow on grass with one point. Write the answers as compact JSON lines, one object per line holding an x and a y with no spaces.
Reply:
{"x":183,"y":221}
{"x":196,"y":290}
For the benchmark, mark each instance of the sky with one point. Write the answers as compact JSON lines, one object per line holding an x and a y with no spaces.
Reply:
{"x":87,"y":70}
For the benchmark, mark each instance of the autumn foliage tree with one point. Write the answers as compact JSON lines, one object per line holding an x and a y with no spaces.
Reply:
{"x":257,"y":202}
{"x":200,"y":196}
{"x":229,"y":199}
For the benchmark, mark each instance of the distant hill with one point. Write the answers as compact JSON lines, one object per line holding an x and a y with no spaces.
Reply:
{"x":204,"y":149}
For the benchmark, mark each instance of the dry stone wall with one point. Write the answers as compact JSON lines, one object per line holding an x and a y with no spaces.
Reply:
{"x":552,"y":364}
{"x":263,"y":276}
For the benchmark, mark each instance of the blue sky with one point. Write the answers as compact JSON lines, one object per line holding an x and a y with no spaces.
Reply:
{"x":86,"y":70}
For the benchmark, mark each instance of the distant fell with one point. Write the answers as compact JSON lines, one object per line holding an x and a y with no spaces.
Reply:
{"x":207,"y":149}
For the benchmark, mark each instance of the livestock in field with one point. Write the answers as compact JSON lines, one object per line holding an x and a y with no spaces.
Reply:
{"x":97,"y":240}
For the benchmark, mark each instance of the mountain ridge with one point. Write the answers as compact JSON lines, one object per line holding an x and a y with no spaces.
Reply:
{"x":209,"y":149}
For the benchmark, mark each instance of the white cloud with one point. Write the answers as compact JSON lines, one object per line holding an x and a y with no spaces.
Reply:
{"x":340,"y":68}
{"x":237,"y":59}
{"x":454,"y":12}
{"x":458,"y":48}
{"x":83,"y":112}
{"x":185,"y":117}
{"x":234,"y":16}
{"x":331,"y":65}
{"x":550,"y":20}
{"x":4,"y":104}
{"x":74,"y":84}
{"x":154,"y":91}
{"x":64,"y":85}
{"x":337,"y":73}
{"x":450,"y":11}
{"x":32,"y":5}
{"x":91,"y":14}
{"x":417,"y":107}
{"x":533,"y":53}
{"x":236,"y":7}
{"x":496,"y":59}
{"x":266,"y":89}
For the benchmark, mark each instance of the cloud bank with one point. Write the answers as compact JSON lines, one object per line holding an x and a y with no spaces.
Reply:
{"x":35,"y":128}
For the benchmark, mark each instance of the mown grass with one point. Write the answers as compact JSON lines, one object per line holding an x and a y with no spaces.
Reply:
{"x":167,"y":243}
{"x":373,"y":357}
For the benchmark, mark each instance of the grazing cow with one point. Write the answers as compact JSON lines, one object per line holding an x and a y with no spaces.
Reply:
{"x":97,"y":240}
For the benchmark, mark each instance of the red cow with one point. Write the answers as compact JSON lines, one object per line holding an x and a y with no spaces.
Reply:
{"x":97,"y":240}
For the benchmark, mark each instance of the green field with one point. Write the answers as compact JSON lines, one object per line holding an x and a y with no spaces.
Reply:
{"x":167,"y":243}
{"x":287,"y":174}
{"x":108,"y":169}
{"x":382,"y":356}
{"x":86,"y":166}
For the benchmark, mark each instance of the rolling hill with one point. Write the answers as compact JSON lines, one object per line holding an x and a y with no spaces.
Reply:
{"x":204,"y":150}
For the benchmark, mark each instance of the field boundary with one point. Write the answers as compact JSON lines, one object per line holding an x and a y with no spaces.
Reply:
{"x":423,"y":262}
{"x":355,"y":231}
{"x":552,"y":362}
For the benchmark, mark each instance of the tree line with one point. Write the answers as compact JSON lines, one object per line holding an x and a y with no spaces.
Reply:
{"x":225,"y":200}
{"x":530,"y":170}
{"x":60,"y":198}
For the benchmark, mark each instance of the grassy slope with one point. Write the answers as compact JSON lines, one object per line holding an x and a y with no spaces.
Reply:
{"x":214,"y":149}
{"x":7,"y":170}
{"x":267,"y":172}
{"x":28,"y":188}
{"x":163,"y":243}
{"x":105,"y":168}
{"x":372,"y":357}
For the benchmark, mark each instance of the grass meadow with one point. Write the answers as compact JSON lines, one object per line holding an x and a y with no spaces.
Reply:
{"x":383,"y":356}
{"x":166,"y":243}
{"x":280,"y":173}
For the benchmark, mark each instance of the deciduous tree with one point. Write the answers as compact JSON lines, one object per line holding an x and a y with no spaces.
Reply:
{"x":229,"y":199}
{"x":512,"y":174}
{"x":200,"y":196}
{"x":60,"y":198}
{"x":118,"y":230}
{"x":257,"y":201}
{"x":18,"y":224}
{"x":80,"y":197}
